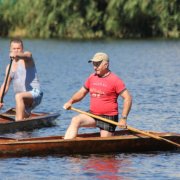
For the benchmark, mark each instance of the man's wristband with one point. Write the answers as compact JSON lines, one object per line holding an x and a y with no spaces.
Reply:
{"x":124,"y":117}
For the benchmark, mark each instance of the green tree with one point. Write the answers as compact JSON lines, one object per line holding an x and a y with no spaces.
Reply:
{"x":90,"y":19}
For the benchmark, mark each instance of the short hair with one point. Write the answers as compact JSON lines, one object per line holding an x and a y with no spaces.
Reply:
{"x":17,"y":40}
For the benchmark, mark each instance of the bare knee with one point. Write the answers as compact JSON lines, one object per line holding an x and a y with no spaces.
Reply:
{"x":18,"y":97}
{"x":76,"y":121}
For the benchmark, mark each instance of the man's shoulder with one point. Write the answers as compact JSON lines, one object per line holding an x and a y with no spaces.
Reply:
{"x":91,"y":75}
{"x":114,"y":75}
{"x":28,"y":55}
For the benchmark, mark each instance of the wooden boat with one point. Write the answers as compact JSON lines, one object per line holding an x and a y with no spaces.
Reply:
{"x":123,"y":141}
{"x":36,"y":120}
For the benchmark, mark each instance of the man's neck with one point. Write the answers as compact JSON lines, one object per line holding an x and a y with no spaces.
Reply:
{"x":105,"y":74}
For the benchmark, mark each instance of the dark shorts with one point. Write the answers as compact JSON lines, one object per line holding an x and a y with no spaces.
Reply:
{"x":107,"y":126}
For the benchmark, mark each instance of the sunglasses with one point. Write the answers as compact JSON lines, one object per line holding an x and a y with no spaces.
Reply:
{"x":96,"y":64}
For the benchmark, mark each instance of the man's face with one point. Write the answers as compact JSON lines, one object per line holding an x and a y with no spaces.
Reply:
{"x":16,"y":47}
{"x":100,"y":67}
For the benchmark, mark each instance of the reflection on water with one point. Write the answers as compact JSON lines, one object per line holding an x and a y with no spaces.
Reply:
{"x":106,"y":167}
{"x":99,"y":166}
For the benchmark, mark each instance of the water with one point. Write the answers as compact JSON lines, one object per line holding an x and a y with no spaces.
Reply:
{"x":151,"y":71}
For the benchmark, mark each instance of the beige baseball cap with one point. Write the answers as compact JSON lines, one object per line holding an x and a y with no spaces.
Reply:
{"x":100,"y":56}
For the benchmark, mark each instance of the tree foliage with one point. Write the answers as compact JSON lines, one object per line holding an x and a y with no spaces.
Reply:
{"x":90,"y":19}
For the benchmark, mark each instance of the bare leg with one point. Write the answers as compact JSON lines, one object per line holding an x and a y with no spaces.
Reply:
{"x":22,"y":99}
{"x":78,"y":121}
{"x":106,"y":133}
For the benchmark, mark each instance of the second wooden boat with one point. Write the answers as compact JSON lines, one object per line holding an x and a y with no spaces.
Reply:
{"x":36,"y":120}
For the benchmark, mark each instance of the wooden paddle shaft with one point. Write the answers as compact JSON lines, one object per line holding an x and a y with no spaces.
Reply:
{"x":128,"y":127}
{"x":7,"y":76}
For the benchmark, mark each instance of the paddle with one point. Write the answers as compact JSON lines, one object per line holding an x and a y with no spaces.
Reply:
{"x":3,"y":93}
{"x":128,"y":127}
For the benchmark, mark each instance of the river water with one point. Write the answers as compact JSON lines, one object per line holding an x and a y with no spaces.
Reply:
{"x":151,"y":72}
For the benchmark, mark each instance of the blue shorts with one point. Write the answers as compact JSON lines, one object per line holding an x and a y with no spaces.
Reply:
{"x":37,"y":98}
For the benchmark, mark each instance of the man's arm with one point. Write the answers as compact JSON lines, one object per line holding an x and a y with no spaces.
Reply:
{"x":126,"y":107}
{"x":21,"y":55}
{"x":78,"y":96}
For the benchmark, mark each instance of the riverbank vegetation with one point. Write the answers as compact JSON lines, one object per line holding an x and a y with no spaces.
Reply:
{"x":90,"y":19}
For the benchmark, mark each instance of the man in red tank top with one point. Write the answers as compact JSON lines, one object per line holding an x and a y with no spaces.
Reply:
{"x":104,"y":88}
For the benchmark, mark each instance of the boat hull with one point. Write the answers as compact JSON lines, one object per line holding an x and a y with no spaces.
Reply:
{"x":36,"y":121}
{"x":86,"y":144}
